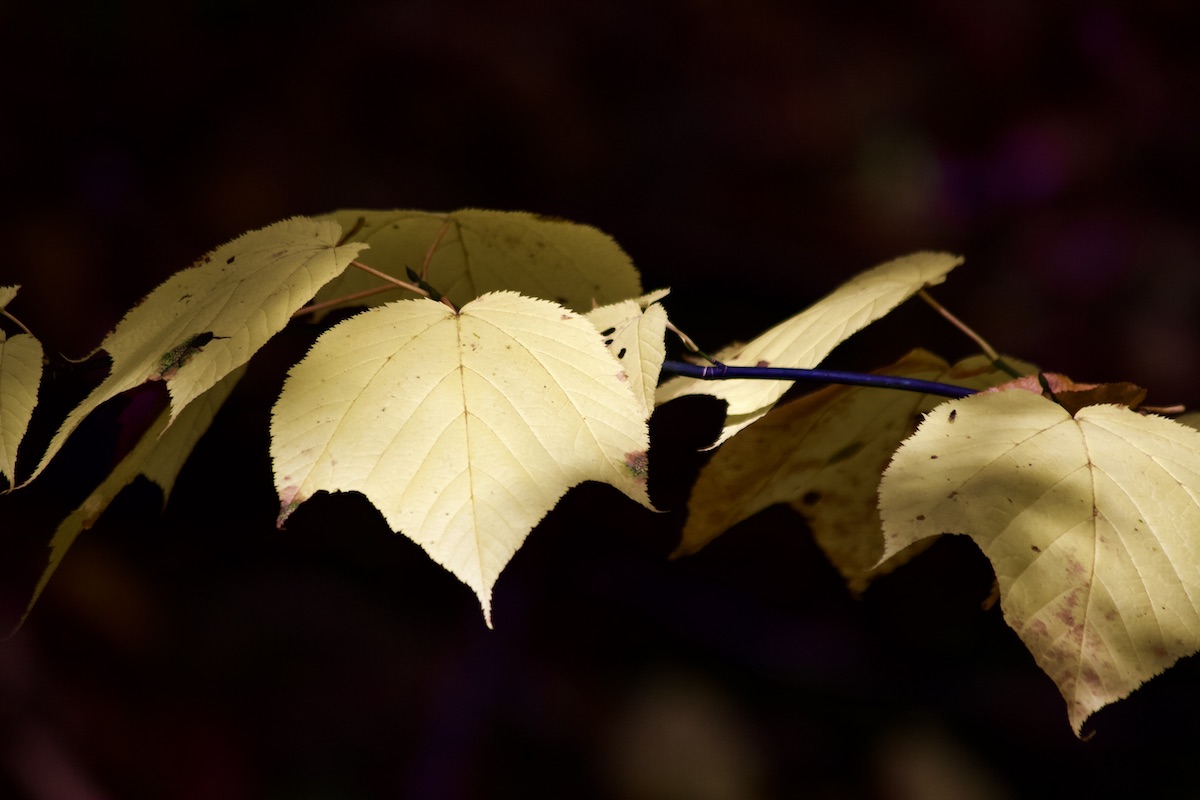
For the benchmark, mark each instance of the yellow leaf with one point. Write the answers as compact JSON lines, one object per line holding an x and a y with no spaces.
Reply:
{"x":824,"y":454}
{"x":20,"y":377}
{"x":804,"y":340}
{"x":159,"y":455}
{"x":484,"y":251}
{"x":1091,"y":522}
{"x":207,"y":320}
{"x":634,"y":331}
{"x":463,"y":429}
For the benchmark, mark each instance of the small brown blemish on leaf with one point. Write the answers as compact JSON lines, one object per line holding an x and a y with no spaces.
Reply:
{"x":810,"y":498}
{"x":763,"y":364}
{"x":289,"y":500}
{"x":920,"y":517}
{"x":1035,"y":548}
{"x":637,"y":463}
{"x":953,"y":414}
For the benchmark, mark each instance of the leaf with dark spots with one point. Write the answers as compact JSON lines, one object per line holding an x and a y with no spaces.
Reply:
{"x":1089,"y":518}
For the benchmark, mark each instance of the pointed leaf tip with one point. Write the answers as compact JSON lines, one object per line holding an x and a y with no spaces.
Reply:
{"x":463,"y":429}
{"x":233,"y":300}
{"x":1089,"y":521}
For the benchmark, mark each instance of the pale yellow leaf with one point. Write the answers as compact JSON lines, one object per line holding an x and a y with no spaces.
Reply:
{"x":207,"y":320}
{"x":159,"y":455}
{"x":634,"y":331}
{"x":1091,"y":522}
{"x":20,"y":376}
{"x":484,"y":251}
{"x":7,"y":293}
{"x":464,"y":429}
{"x":804,"y":340}
{"x":824,"y":454}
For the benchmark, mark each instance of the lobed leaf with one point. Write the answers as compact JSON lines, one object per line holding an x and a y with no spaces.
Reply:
{"x":463,"y":429}
{"x":1091,"y":522}
{"x":804,"y":340}
{"x":823,"y":454}
{"x":484,"y":251}
{"x":207,"y":320}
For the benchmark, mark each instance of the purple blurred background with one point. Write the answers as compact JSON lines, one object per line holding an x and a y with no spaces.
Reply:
{"x":749,"y":155}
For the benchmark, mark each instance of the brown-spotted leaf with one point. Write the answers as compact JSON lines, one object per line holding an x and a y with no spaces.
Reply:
{"x":1091,"y":522}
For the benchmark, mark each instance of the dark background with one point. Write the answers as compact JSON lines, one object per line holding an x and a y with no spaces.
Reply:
{"x":749,"y":155}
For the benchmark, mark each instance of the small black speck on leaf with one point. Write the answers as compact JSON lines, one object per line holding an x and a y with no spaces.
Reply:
{"x":622,"y":353}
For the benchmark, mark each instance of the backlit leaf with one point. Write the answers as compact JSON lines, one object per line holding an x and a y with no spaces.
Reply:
{"x":20,"y":377}
{"x":824,"y":454}
{"x":463,"y":429}
{"x":1091,"y":522}
{"x":634,"y":332}
{"x":484,"y":251}
{"x":207,"y":320}
{"x":804,"y":340}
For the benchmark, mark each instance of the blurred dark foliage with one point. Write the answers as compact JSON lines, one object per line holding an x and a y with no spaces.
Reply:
{"x":749,"y":155}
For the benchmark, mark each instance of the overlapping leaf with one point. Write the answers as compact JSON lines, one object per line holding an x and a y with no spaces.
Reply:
{"x":159,"y":455}
{"x":482,"y":251}
{"x":20,"y":377}
{"x":634,"y":331}
{"x":207,"y":320}
{"x":462,"y":429}
{"x":804,"y":340}
{"x":824,"y":454}
{"x":1091,"y":522}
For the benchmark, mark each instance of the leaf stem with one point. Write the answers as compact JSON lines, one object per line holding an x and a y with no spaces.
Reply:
{"x":18,"y":322}
{"x":395,"y":282}
{"x":689,"y":344}
{"x":721,"y":372}
{"x":432,"y":249}
{"x":997,"y":360}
